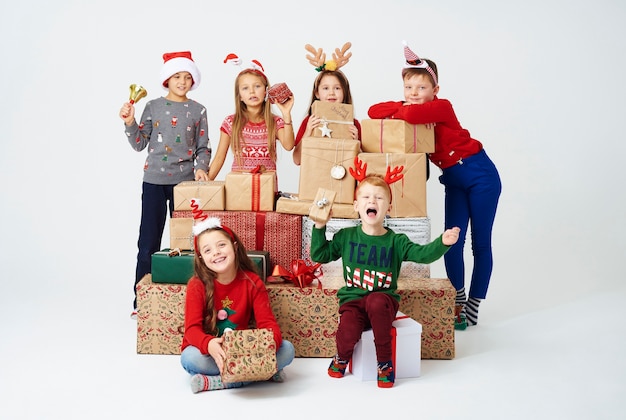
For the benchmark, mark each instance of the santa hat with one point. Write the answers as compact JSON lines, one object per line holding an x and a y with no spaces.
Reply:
{"x":412,"y":60}
{"x":253,"y":65}
{"x":176,"y":62}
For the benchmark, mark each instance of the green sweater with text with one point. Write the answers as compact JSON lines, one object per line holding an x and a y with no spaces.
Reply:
{"x":371,"y":263}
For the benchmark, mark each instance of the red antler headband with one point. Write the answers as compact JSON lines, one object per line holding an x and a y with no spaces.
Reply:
{"x":360,"y":172}
{"x":413,"y":61}
{"x":253,"y":65}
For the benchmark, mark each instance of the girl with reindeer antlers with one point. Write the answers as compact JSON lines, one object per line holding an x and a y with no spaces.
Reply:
{"x":371,"y":255}
{"x":251,"y":132}
{"x":330,"y":85}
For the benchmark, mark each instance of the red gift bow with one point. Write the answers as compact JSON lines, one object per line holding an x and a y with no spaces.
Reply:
{"x":301,"y":274}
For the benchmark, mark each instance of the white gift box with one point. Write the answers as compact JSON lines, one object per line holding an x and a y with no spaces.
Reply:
{"x":406,"y":357}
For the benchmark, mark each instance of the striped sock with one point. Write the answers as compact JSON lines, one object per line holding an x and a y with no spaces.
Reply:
{"x":472,"y":311}
{"x":201,"y":383}
{"x":460,"y":297}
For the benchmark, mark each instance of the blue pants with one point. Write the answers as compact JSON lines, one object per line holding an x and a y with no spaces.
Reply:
{"x":195,"y":362}
{"x":156,"y":201}
{"x":472,"y":190}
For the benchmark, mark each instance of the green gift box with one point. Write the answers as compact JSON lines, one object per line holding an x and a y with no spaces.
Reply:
{"x":177,"y":267}
{"x":262,"y":260}
{"x":172,"y":267}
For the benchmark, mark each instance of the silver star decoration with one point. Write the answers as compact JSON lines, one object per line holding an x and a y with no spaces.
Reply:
{"x":325,"y":130}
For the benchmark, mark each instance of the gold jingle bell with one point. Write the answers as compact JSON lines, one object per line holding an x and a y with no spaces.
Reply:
{"x":136,"y":93}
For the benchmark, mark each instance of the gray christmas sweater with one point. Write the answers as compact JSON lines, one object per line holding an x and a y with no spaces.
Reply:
{"x":177,"y":137}
{"x":371,"y":263}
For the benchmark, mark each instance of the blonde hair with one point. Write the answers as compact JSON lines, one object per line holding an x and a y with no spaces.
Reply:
{"x":241,"y":118}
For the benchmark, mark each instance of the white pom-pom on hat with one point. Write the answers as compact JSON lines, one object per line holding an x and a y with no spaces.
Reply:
{"x":176,"y":62}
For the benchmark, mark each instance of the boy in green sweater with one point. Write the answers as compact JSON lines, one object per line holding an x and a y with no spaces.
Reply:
{"x":372,"y":256}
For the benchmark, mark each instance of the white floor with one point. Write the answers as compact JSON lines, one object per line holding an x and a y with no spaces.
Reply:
{"x":565,"y":362}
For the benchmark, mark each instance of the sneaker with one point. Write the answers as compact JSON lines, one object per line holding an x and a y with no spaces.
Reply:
{"x":337,"y":367}
{"x":386,"y":375}
{"x":460,"y":320}
{"x":133,"y":314}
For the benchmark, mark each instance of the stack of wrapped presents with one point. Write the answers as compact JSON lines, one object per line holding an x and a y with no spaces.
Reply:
{"x":278,"y":232}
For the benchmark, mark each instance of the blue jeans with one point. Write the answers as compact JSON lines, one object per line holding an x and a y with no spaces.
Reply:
{"x":472,"y":190}
{"x":195,"y":362}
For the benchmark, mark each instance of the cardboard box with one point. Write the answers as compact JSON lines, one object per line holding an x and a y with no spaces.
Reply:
{"x":406,"y":351}
{"x":181,"y":235}
{"x":172,"y":268}
{"x":336,"y":118}
{"x":416,"y":228}
{"x":323,"y":161}
{"x":408,"y":194}
{"x":396,"y":136}
{"x":307,"y":317}
{"x":250,"y":191}
{"x":262,"y":261}
{"x":294,"y":205}
{"x":160,"y":317}
{"x":208,"y":195}
{"x":280,"y":234}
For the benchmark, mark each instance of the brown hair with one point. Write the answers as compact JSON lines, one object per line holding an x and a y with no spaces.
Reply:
{"x":408,"y":72}
{"x":207,"y":276}
{"x":343,"y":81}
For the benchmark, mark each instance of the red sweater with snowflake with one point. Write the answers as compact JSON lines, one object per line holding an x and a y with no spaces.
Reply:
{"x":452,"y":142}
{"x":243,"y":299}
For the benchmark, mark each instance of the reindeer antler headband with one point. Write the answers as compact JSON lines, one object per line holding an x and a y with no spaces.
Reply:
{"x":413,"y":61}
{"x":360,"y":173}
{"x":253,"y":65}
{"x":318,"y":57}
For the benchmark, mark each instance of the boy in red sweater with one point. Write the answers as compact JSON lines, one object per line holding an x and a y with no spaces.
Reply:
{"x":471,"y":180}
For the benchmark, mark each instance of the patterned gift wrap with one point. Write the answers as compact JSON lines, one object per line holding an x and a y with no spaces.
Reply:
{"x":307,"y":317}
{"x":250,"y":355}
{"x":431,"y":303}
{"x":160,"y":314}
{"x":280,"y":234}
{"x":416,"y":228}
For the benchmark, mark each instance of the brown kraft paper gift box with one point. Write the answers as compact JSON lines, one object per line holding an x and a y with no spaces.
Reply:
{"x":325,"y":164}
{"x":322,"y":204}
{"x":208,"y":195}
{"x":396,"y":136}
{"x":181,"y":235}
{"x":338,"y":117}
{"x":247,"y":191}
{"x":280,"y":234}
{"x":409,"y":193}
{"x":294,"y":205}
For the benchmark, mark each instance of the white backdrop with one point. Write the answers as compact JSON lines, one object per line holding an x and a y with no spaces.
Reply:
{"x":540,"y":83}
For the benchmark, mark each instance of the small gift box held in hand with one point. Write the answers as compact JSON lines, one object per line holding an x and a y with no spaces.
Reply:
{"x":250,"y":355}
{"x":322,"y":204}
